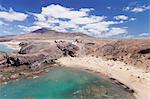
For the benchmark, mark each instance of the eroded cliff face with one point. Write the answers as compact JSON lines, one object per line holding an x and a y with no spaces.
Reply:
{"x":35,"y":54}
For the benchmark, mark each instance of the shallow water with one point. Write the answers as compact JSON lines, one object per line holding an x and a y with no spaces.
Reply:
{"x":63,"y":83}
{"x":4,"y":48}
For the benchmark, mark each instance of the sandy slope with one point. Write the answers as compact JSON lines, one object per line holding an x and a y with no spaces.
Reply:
{"x":131,"y":76}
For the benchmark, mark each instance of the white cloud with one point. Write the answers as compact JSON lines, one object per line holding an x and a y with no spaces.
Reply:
{"x":109,"y":8}
{"x":59,"y":18}
{"x":58,"y":11}
{"x":126,"y":8}
{"x":100,"y":27}
{"x":144,"y":34}
{"x":87,"y":10}
{"x":42,"y":24}
{"x":116,"y":31}
{"x":1,"y":22}
{"x":12,"y":15}
{"x":28,"y":28}
{"x":140,"y":9}
{"x":132,"y":19}
{"x":121,"y":17}
{"x":137,"y":8}
{"x":38,"y":17}
{"x":67,"y":25}
{"x":87,"y":20}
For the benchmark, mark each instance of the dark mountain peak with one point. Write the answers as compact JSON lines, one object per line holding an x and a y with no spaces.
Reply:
{"x":48,"y":31}
{"x":42,"y":30}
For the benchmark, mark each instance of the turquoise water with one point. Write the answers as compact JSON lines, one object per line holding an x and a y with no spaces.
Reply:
{"x":4,"y":48}
{"x":63,"y":83}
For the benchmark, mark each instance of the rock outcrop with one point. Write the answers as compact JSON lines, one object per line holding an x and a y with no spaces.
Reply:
{"x":68,"y":49}
{"x":35,"y":54}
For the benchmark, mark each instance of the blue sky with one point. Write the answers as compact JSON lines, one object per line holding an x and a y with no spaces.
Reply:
{"x":100,"y":18}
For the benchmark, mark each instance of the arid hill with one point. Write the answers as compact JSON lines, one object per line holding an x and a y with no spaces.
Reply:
{"x":46,"y":34}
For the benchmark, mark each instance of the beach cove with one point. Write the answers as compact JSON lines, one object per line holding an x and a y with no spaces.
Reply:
{"x":129,"y":76}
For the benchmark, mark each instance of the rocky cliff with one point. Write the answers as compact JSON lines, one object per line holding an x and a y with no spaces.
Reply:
{"x":35,"y":54}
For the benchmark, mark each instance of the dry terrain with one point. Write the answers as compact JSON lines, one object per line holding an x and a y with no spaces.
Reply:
{"x":126,"y":61}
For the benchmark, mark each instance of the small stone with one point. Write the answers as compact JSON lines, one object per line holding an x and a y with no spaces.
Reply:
{"x":14,"y":76}
{"x":138,"y":77}
{"x":35,"y":77}
{"x":5,"y":82}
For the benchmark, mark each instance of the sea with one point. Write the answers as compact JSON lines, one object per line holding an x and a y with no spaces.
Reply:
{"x":5,"y":48}
{"x":64,"y":83}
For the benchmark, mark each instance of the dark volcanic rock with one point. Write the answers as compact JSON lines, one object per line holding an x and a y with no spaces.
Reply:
{"x":36,"y":54}
{"x":144,"y":51}
{"x":42,"y":30}
{"x":13,"y":61}
{"x":68,"y":49}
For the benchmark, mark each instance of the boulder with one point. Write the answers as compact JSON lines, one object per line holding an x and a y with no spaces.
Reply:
{"x":13,"y":61}
{"x":68,"y":49}
{"x":24,"y":43}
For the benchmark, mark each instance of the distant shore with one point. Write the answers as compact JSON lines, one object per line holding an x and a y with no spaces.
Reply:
{"x":130,"y":76}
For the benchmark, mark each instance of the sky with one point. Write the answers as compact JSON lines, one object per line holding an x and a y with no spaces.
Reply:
{"x":99,"y":18}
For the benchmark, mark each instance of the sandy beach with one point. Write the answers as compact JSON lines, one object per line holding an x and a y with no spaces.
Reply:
{"x":134,"y":78}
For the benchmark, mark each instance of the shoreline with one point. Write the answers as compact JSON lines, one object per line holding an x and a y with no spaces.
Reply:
{"x":97,"y":74}
{"x":100,"y":75}
{"x":123,"y":76}
{"x":12,"y":45}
